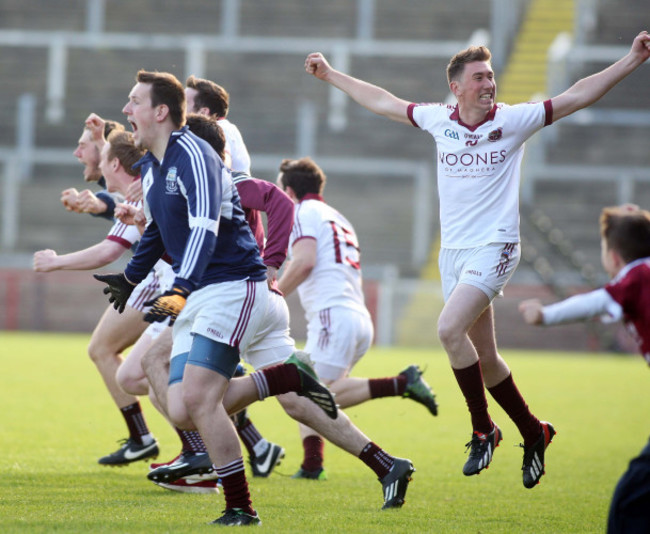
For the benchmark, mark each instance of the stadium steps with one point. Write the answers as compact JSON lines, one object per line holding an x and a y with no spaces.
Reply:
{"x":525,"y":73}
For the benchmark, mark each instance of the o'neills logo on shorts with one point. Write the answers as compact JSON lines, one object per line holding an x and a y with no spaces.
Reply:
{"x":215,"y":333}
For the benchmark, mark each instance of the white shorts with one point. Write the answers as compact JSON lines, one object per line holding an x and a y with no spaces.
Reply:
{"x":337,"y":338}
{"x":272,"y":343}
{"x":146,"y":290}
{"x":226,"y":312}
{"x":487,"y":268}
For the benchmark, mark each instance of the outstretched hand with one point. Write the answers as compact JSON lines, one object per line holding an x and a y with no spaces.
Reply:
{"x":317,"y":65}
{"x":95,"y":125}
{"x":531,"y":310}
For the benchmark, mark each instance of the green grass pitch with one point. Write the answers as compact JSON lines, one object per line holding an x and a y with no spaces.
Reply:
{"x":57,"y":419}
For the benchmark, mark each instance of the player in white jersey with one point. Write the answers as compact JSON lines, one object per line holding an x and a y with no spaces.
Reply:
{"x":116,"y":332}
{"x":102,"y":203}
{"x":480,"y":147}
{"x":208,"y":98}
{"x":625,"y":243}
{"x":325,"y":269}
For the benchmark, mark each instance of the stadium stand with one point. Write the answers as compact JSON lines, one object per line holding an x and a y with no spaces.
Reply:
{"x":269,"y":89}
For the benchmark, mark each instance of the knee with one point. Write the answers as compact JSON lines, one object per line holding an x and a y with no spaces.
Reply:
{"x":192,"y":400}
{"x":133,"y":385}
{"x":97,"y":351}
{"x":147,"y":361}
{"x":294,"y":406}
{"x":179,"y":416}
{"x":449,"y":333}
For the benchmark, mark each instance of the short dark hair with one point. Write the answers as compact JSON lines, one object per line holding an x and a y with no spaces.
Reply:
{"x":626,"y":231}
{"x":209,"y":95}
{"x":457,"y":63}
{"x":208,"y":129}
{"x":303,"y":176}
{"x":166,"y":90}
{"x":122,"y":147}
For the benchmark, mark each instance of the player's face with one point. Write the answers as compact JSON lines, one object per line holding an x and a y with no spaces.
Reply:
{"x":190,"y":95}
{"x":476,"y":86}
{"x":141,"y":115}
{"x":609,"y":259}
{"x":88,"y":155}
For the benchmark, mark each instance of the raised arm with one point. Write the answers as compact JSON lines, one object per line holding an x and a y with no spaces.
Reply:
{"x":589,"y":90}
{"x":94,"y":257}
{"x":370,"y":96}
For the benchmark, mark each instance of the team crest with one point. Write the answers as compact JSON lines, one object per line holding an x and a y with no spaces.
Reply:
{"x":171,"y":182}
{"x":495,"y":135}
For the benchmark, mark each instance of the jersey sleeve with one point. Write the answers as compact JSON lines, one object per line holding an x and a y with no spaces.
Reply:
{"x":626,"y":290}
{"x":125,"y":234}
{"x":584,"y":306}
{"x":528,"y":118}
{"x":306,"y":224}
{"x":279,"y":208}
{"x":424,"y":116}
{"x":107,"y":199}
{"x":201,"y":184}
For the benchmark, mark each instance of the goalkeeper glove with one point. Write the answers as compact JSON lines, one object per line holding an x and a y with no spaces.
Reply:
{"x":118,"y":287}
{"x":169,"y":304}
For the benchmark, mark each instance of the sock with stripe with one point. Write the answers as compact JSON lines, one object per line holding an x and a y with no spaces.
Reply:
{"x":255,"y":444}
{"x":235,"y":486}
{"x":276,"y":380}
{"x":393,"y":386}
{"x":377,"y":459}
{"x":191,"y":440}
{"x":134,"y":418}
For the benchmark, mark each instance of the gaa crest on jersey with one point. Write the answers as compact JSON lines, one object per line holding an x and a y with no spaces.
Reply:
{"x":171,"y":181}
{"x":495,"y":135}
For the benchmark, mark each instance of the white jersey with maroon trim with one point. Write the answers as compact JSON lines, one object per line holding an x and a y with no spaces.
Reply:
{"x":336,"y":278}
{"x":235,"y":146}
{"x":626,"y":297}
{"x":479,"y":169}
{"x":125,"y":234}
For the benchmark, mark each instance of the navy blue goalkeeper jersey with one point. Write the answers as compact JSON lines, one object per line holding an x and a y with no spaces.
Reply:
{"x":195,"y":215}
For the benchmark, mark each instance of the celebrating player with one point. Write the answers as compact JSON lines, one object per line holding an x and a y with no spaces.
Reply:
{"x":325,"y":268}
{"x":116,"y":332}
{"x":625,"y":244}
{"x":219,"y":296}
{"x":480,"y":147}
{"x":100,"y":204}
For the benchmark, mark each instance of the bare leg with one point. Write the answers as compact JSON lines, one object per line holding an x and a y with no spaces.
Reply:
{"x":493,"y":366}
{"x":155,"y":364}
{"x":464,"y":307}
{"x":112,"y":335}
{"x":130,"y":375}
{"x":350,"y":391}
